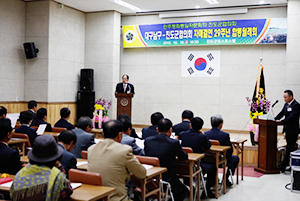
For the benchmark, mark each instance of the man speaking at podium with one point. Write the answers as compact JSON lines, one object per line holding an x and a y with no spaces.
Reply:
{"x":291,"y":111}
{"x":125,"y":87}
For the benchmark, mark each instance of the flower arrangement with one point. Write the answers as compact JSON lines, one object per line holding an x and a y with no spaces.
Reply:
{"x":102,"y":105}
{"x":258,"y":106}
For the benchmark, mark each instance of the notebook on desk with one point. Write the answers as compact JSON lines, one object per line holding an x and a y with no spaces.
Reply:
{"x":41,"y":129}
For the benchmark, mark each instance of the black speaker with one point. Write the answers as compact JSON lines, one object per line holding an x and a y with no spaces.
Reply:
{"x":30,"y":50}
{"x":85,"y":103}
{"x":87,"y":79}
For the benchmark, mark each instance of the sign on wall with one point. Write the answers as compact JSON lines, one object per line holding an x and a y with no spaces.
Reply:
{"x":226,"y":32}
{"x":200,"y":63}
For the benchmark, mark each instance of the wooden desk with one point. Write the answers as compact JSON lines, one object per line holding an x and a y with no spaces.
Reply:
{"x":239,"y":147}
{"x":98,"y":132}
{"x":217,"y":151}
{"x":54,"y":134}
{"x":19,"y":141}
{"x":154,"y":177}
{"x":85,"y":192}
{"x":193,"y":163}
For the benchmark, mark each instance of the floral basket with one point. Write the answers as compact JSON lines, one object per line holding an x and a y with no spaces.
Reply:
{"x":102,"y":105}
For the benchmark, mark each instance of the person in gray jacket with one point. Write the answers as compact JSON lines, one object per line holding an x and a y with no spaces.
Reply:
{"x":84,"y":138}
{"x":126,"y":139}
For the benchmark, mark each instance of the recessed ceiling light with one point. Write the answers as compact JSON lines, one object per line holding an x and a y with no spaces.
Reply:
{"x":261,"y":2}
{"x":127,"y":5}
{"x":197,"y":7}
{"x":212,"y":1}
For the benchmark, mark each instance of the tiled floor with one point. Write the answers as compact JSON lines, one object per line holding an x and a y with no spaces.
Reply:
{"x":267,"y":187}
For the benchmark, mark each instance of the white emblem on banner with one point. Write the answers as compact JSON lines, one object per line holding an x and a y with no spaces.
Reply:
{"x":200,"y":63}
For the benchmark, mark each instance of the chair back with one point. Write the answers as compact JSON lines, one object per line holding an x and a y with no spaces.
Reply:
{"x":80,"y":176}
{"x":58,"y":129}
{"x":34,"y":127}
{"x":154,"y":161}
{"x":84,"y":154}
{"x":214,"y":142}
{"x":22,"y":136}
{"x":187,"y":149}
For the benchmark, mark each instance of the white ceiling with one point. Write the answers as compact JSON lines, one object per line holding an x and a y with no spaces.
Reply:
{"x":156,"y":5}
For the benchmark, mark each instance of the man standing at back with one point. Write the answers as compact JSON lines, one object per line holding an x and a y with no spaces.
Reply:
{"x":186,"y":117}
{"x":114,"y":161}
{"x":167,"y":149}
{"x":124,"y":86}
{"x":291,"y":111}
{"x":216,"y":134}
{"x":152,"y":130}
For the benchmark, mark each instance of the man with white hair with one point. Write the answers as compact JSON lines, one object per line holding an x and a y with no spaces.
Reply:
{"x":216,"y":134}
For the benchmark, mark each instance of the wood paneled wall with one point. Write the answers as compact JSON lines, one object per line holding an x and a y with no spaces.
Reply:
{"x":53,"y":109}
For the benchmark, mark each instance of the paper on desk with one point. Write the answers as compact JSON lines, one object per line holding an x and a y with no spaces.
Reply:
{"x":98,"y":140}
{"x":41,"y":129}
{"x":140,"y":143}
{"x":75,"y":185}
{"x":147,"y":167}
{"x":81,"y":163}
{"x":8,"y":184}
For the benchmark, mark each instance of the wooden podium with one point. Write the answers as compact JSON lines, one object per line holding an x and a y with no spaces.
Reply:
{"x":124,"y":103}
{"x":267,"y":148}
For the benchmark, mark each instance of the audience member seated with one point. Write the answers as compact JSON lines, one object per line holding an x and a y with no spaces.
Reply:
{"x":216,"y":134}
{"x":126,"y":139}
{"x":167,"y":149}
{"x":114,"y":161}
{"x":63,"y":122}
{"x":3,"y":112}
{"x":9,"y":158}
{"x":84,"y":138}
{"x":67,"y":140}
{"x":25,"y":120}
{"x":152,"y":130}
{"x":41,"y":179}
{"x":195,"y":139}
{"x":186,"y":117}
{"x":32,"y":107}
{"x":126,"y":116}
{"x":41,"y":117}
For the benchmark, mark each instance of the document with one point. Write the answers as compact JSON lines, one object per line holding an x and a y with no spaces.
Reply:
{"x":41,"y":129}
{"x":75,"y":185}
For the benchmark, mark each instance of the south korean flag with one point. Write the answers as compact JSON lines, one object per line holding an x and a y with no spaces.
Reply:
{"x":200,"y":63}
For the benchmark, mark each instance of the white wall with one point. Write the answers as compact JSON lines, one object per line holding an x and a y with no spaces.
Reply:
{"x":12,"y":37}
{"x":102,"y":53}
{"x":156,"y":75}
{"x":66,"y":52}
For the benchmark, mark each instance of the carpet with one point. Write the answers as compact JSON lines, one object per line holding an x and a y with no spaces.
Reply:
{"x":248,"y":172}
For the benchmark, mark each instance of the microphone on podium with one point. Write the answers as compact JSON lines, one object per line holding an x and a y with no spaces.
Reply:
{"x":275,"y":103}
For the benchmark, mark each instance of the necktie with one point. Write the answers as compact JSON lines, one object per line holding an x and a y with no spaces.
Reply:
{"x":124,"y":88}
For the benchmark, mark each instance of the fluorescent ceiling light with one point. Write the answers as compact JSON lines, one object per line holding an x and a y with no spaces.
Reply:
{"x":261,"y":2}
{"x":197,"y":7}
{"x":127,"y":5}
{"x":203,"y":13}
{"x":212,"y":1}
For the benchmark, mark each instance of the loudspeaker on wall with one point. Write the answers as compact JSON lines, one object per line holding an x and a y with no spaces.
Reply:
{"x":30,"y":50}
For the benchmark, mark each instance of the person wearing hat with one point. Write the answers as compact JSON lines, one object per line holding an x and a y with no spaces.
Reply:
{"x":41,"y":179}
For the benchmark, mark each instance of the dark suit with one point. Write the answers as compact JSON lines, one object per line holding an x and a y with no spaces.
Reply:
{"x":167,"y":149}
{"x":62,"y":123}
{"x":68,"y":160}
{"x":120,"y":88}
{"x":37,"y":122}
{"x":9,"y":160}
{"x":291,"y":127}
{"x":34,"y":114}
{"x":183,"y":126}
{"x":28,"y":131}
{"x":199,"y":142}
{"x":224,"y":139}
{"x":84,"y":141}
{"x":149,"y":131}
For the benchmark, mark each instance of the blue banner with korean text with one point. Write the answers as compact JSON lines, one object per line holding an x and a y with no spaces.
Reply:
{"x":225,"y":32}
